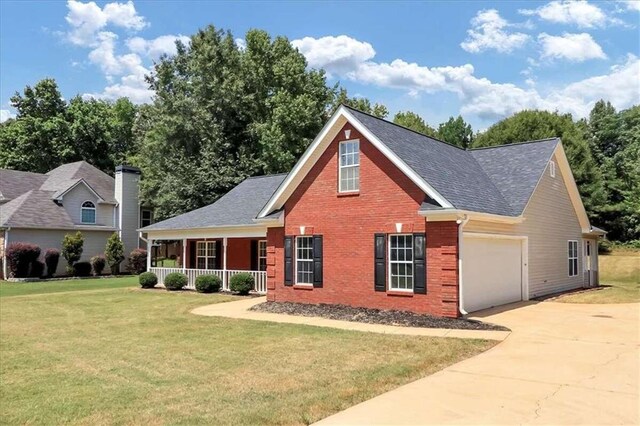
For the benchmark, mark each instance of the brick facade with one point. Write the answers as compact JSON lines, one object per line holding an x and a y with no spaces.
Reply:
{"x":348,"y":223}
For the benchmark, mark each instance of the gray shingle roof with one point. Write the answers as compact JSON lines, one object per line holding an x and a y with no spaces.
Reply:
{"x":14,"y":183}
{"x":499,"y":180}
{"x":237,"y":207}
{"x":67,"y":175}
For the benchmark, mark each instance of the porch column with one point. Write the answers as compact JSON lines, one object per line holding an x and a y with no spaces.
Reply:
{"x":184,"y":255}
{"x":224,"y":264}
{"x":149,"y":253}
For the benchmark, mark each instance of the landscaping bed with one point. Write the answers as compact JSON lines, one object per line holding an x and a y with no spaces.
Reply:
{"x":373,"y":316}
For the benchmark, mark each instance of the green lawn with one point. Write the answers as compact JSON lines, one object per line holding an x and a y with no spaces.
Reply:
{"x":124,"y":355}
{"x":17,"y":289}
{"x":619,"y":279}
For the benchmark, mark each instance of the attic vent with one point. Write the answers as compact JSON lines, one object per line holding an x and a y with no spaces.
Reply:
{"x":552,"y":169}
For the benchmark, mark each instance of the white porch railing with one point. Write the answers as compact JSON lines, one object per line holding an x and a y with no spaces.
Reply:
{"x":259,"y":277}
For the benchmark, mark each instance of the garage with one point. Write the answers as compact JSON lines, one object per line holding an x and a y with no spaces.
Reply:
{"x":492,"y":270}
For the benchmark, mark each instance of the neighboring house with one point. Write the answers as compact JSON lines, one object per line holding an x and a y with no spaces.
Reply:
{"x":42,"y":208}
{"x":377,"y":215}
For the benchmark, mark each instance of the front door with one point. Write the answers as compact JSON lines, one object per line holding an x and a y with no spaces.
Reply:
{"x":588,"y":281}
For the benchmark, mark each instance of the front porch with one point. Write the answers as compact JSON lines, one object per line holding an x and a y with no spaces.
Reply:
{"x":223,"y":257}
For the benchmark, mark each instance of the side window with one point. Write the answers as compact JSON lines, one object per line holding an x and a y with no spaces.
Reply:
{"x":349,"y":166}
{"x":88,"y":212}
{"x":304,"y":260}
{"x":401,"y":262}
{"x":573,"y":258}
{"x":262,"y":255}
{"x":146,"y":218}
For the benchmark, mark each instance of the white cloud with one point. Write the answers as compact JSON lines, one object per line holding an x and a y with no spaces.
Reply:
{"x":576,"y":12}
{"x":87,"y":19}
{"x":241,"y":43}
{"x":154,"y":48}
{"x":5,"y":114}
{"x":480,"y":96}
{"x":334,"y":54}
{"x":488,"y":32}
{"x":573,"y":47}
{"x":631,"y":4}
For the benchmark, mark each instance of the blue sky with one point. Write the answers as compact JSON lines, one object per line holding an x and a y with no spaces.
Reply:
{"x":484,"y":60}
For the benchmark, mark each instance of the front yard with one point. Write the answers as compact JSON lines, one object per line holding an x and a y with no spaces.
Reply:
{"x":95,"y":354}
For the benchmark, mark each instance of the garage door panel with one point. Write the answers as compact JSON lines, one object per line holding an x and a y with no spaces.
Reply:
{"x":491,"y":272}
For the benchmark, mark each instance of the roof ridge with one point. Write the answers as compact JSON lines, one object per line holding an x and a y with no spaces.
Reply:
{"x":403,"y":127}
{"x":513,"y":144}
{"x":265,"y":176}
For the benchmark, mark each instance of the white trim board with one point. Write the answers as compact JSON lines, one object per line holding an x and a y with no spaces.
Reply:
{"x":319,"y":145}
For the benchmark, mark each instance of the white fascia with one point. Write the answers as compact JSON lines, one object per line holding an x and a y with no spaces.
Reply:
{"x":455,"y":214}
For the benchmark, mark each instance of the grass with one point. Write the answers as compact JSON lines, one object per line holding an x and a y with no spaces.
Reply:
{"x":124,"y":355}
{"x":619,"y":278}
{"x":19,"y":289}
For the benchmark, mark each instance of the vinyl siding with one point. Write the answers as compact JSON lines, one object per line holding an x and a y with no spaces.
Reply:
{"x":94,"y":242}
{"x":550,"y":222}
{"x":126,"y":192}
{"x":72,"y":202}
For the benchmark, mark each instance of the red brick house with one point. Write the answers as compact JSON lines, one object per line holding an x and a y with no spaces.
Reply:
{"x":376,"y":215}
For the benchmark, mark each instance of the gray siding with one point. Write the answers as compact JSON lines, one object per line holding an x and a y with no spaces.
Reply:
{"x":72,"y":202}
{"x":550,"y":221}
{"x":94,"y":242}
{"x":126,"y":192}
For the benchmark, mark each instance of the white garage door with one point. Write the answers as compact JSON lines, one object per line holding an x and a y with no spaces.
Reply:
{"x":491,"y":271}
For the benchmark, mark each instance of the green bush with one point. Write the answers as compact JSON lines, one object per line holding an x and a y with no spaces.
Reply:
{"x":242,"y":283}
{"x":604,"y":247}
{"x":137,"y":262}
{"x":208,"y":284}
{"x":97,"y":264}
{"x":81,"y":269}
{"x":114,"y":253}
{"x":175,"y":281}
{"x":72,"y":249}
{"x":148,"y":280}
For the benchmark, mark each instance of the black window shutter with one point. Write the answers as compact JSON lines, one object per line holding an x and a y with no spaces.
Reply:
{"x":380,"y":267}
{"x":219,"y":254}
{"x":254,"y":255}
{"x":288,"y":260}
{"x":191,"y":261}
{"x":317,"y":260}
{"x":419,"y":265}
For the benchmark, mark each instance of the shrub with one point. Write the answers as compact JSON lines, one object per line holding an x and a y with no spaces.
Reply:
{"x":175,"y":281}
{"x":208,"y":284}
{"x":148,"y":280}
{"x":82,"y":269}
{"x":51,"y":258}
{"x":19,"y":257}
{"x":72,"y":249}
{"x":242,"y":283}
{"x":37,"y":269}
{"x":97,"y":264}
{"x":604,"y":247}
{"x":137,"y":262}
{"x":114,"y":252}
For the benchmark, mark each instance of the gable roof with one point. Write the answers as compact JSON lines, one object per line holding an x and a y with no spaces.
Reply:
{"x":66,"y":176}
{"x":237,"y":207}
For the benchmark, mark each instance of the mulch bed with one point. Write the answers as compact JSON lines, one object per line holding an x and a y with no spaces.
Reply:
{"x":373,"y":316}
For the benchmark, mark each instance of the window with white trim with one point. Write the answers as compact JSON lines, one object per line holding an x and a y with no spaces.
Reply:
{"x":349,"y":166}
{"x":401,"y":262}
{"x":206,"y":255}
{"x":262,"y":255}
{"x":88,"y":213}
{"x":304,"y":260}
{"x":573,"y":258}
{"x":552,"y":168}
{"x":146,"y":218}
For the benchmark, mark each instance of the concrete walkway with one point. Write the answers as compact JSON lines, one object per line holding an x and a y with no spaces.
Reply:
{"x":240,"y":310}
{"x":562,"y":364}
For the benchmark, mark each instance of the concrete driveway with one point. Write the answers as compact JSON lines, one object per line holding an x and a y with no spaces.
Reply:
{"x":563,"y":364}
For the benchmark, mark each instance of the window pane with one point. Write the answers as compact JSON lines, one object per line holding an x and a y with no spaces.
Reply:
{"x":401,"y":262}
{"x":88,"y":215}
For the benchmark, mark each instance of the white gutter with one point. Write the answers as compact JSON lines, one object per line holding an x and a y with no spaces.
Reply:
{"x":449,"y":214}
{"x":461,"y":223}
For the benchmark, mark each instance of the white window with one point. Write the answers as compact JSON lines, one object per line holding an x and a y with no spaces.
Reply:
{"x":349,"y":166}
{"x":262,"y":255}
{"x":573,"y":258}
{"x":88,"y":212}
{"x":401,"y":262}
{"x":304,"y":260}
{"x":146,"y":218}
{"x":206,"y":255}
{"x":552,"y":169}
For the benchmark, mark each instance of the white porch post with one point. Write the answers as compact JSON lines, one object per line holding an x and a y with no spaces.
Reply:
{"x":225,"y":284}
{"x":149,"y":253}
{"x":184,"y":255}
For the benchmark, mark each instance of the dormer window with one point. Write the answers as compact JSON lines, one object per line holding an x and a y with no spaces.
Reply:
{"x":349,"y":166}
{"x":88,"y":212}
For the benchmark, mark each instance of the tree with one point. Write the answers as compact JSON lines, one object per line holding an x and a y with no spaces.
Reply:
{"x":114,"y":253}
{"x":532,"y":125}
{"x":222,"y":114}
{"x":413,"y":121}
{"x":359,"y":103}
{"x":72,"y":249}
{"x":456,"y":132}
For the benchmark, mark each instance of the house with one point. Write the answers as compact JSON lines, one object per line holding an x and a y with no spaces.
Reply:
{"x":42,"y":208}
{"x":377,"y":215}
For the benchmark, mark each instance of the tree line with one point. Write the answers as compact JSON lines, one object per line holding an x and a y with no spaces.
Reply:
{"x":222,"y":113}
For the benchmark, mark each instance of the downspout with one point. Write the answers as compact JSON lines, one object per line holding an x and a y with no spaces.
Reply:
{"x":5,"y":242}
{"x":461,"y":223}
